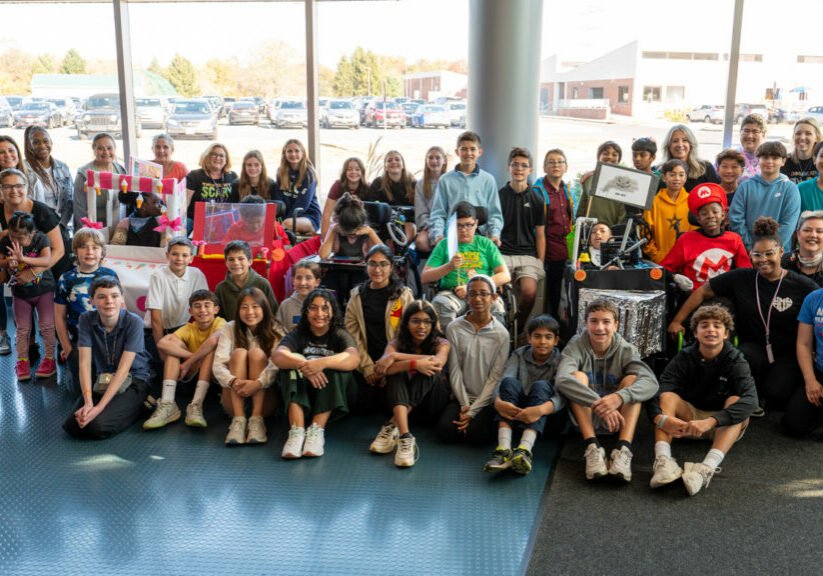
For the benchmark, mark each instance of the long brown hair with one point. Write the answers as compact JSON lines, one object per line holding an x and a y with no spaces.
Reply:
{"x":21,"y":165}
{"x":362,"y":190}
{"x":244,"y":184}
{"x":264,"y":332}
{"x":302,"y":168}
{"x":405,"y":179}
{"x":427,"y":174}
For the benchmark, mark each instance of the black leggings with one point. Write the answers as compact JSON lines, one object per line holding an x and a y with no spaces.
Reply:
{"x":802,"y":417}
{"x":775,"y":382}
{"x":427,"y":395}
{"x":481,"y":430}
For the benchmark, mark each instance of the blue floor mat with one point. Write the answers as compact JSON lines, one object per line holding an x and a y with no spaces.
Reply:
{"x":177,"y":501}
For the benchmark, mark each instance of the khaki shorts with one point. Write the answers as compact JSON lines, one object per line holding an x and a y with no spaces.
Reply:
{"x":698,"y":414}
{"x":524,"y":267}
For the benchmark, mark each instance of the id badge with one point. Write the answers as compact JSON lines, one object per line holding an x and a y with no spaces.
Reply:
{"x":769,"y":353}
{"x":105,"y":378}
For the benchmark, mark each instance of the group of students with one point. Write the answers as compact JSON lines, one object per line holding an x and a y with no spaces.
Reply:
{"x":389,"y":352}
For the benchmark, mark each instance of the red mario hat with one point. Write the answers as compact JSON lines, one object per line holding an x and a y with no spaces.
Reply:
{"x":703,"y":194}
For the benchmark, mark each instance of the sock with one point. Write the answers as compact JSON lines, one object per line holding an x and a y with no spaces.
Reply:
{"x":662,"y":449}
{"x":626,"y":443}
{"x":594,"y":441}
{"x":169,"y":386}
{"x":713,"y":458}
{"x":504,"y":438}
{"x":528,"y":438}
{"x":199,"y":391}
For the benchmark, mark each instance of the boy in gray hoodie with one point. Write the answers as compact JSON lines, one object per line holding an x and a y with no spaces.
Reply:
{"x":605,"y":382}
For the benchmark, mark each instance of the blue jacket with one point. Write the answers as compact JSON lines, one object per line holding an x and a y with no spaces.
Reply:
{"x":300,"y":195}
{"x":478,"y":189}
{"x":778,"y":199}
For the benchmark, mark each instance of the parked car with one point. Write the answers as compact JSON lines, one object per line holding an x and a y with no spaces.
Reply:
{"x":707,"y":113}
{"x":101,"y":113}
{"x":292,"y":113}
{"x":6,"y":113}
{"x":782,"y":115}
{"x":244,"y":112}
{"x":193,"y":117}
{"x":342,"y":113}
{"x":380,"y":114}
{"x":65,"y":106}
{"x":42,"y":112}
{"x":457,"y":113}
{"x":815,"y":112}
{"x":431,"y":116}
{"x":228,"y":102}
{"x":216,"y":104}
{"x":16,"y":102}
{"x":743,"y":110}
{"x":410,"y":107}
{"x":153,"y":112}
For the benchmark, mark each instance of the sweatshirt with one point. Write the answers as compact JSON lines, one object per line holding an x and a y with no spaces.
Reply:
{"x":227,"y":293}
{"x":522,"y":366}
{"x":778,"y":199}
{"x":476,"y":361}
{"x":478,"y":189}
{"x":605,"y":374}
{"x":289,"y":311}
{"x":666,"y":220}
{"x":700,"y":257}
{"x":707,"y":384}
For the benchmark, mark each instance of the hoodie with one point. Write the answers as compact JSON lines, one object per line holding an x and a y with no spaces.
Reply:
{"x":666,"y":220}
{"x":707,"y":384}
{"x":605,"y":374}
{"x":522,"y":366}
{"x":778,"y":199}
{"x":227,"y":293}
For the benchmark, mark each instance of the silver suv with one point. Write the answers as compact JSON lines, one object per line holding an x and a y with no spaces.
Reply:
{"x":101,"y":113}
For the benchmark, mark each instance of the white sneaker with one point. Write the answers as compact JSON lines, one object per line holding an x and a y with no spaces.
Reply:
{"x":293,"y":448}
{"x":666,"y":471}
{"x":256,"y":433}
{"x":386,"y":439}
{"x":315,"y":440}
{"x":237,"y":432}
{"x":621,"y":464}
{"x":697,"y":476}
{"x":407,"y":451}
{"x":595,"y":462}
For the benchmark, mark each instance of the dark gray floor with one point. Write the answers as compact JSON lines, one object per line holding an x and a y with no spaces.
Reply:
{"x":763,"y":514}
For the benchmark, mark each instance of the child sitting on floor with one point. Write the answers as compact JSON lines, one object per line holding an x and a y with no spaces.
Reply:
{"x":305,"y":277}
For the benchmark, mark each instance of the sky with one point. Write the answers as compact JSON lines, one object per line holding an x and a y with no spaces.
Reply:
{"x":432,"y":29}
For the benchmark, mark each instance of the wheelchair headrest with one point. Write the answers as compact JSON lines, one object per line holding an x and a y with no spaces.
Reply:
{"x":379,"y":213}
{"x":280,"y":209}
{"x":482,"y":215}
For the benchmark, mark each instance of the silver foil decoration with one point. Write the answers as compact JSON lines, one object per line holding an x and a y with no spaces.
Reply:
{"x":642,"y":316}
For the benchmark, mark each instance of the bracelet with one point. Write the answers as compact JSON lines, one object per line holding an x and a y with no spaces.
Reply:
{"x":413,"y":365}
{"x":86,"y":391}
{"x":661,"y":421}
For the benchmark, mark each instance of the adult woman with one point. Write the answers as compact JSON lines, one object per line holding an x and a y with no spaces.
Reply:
{"x":296,"y":185}
{"x":104,"y":161}
{"x":680,"y":143}
{"x":800,"y":164}
{"x":766,"y":299}
{"x":424,"y":191}
{"x":752,"y":133}
{"x":48,"y":177}
{"x":395,"y":186}
{"x":807,"y":259}
{"x":163,"y":147}
{"x":372,"y":316}
{"x":254,"y":180}
{"x":211,"y":182}
{"x":352,"y":180}
{"x":10,"y":157}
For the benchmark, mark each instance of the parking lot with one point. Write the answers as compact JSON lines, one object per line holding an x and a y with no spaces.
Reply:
{"x":578,"y":138}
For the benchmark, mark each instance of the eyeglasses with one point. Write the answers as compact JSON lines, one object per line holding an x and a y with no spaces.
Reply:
{"x":379,"y":263}
{"x":10,"y":187}
{"x":474,"y":294}
{"x":217,"y":155}
{"x":465,"y":226}
{"x":555,"y":162}
{"x":522,"y":165}
{"x":421,"y":321}
{"x":751,"y":131}
{"x":766,"y":254}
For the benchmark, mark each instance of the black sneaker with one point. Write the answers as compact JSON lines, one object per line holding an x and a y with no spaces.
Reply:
{"x":522,"y":461}
{"x":500,"y":460}
{"x":5,"y":343}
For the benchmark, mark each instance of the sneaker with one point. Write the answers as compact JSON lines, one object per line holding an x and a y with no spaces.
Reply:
{"x":47,"y":368}
{"x":194,"y":415}
{"x":237,"y":432}
{"x":697,"y":476}
{"x":257,"y":431}
{"x":23,"y":370}
{"x":621,"y":464}
{"x":165,"y":413}
{"x":522,"y":461}
{"x":500,"y":460}
{"x":293,"y":448}
{"x":666,"y":471}
{"x":315,"y":439}
{"x":759,"y":412}
{"x":595,"y":457}
{"x":407,"y":451}
{"x":386,"y":439}
{"x":5,"y":343}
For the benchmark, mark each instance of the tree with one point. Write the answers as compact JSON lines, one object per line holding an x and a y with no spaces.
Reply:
{"x":358,"y":75}
{"x":325,"y":81}
{"x":273,"y":72}
{"x":155,"y":67}
{"x":180,"y":74}
{"x":73,"y":63}
{"x":44,"y":64}
{"x":220,"y":77}
{"x":15,"y":72}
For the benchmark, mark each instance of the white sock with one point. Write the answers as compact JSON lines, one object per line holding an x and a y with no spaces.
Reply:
{"x":169,"y":386}
{"x":713,"y":458}
{"x":504,"y":438}
{"x":200,"y":391}
{"x":662,"y":448}
{"x":527,"y":439}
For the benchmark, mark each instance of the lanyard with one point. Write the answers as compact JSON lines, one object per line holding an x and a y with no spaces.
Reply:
{"x":110,"y":357}
{"x":768,"y":319}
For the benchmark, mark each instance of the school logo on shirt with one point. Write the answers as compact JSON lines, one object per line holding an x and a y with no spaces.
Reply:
{"x":711,"y":263}
{"x":782,"y":304}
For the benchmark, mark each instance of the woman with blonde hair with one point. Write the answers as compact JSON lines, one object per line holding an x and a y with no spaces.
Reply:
{"x":800,"y":165}
{"x":212,"y":182}
{"x":296,"y":185}
{"x":681,"y":144}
